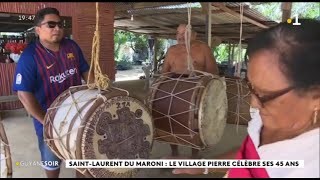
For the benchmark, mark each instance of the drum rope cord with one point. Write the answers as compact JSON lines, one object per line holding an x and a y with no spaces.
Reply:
{"x":187,"y":36}
{"x":59,"y":138}
{"x":169,"y":109}
{"x":171,"y":94}
{"x":239,"y":96}
{"x":66,"y":153}
{"x":239,"y":86}
{"x":5,"y":145}
{"x":68,"y":104}
{"x":188,"y":80}
{"x":2,"y":141}
{"x":122,"y":90}
{"x":177,"y":136}
{"x":174,"y":94}
{"x":5,"y":158}
{"x":101,"y":80}
{"x":63,"y":123}
{"x":238,"y":99}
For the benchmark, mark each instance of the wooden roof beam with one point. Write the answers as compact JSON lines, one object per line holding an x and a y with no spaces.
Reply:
{"x":236,"y":14}
{"x":125,"y":29}
{"x":143,"y":5}
{"x":150,"y":21}
{"x":204,"y":9}
{"x":286,"y":10}
{"x":215,"y":11}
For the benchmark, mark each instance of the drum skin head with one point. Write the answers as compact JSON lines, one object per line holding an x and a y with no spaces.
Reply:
{"x":118,"y":129}
{"x":99,"y":126}
{"x":213,"y":112}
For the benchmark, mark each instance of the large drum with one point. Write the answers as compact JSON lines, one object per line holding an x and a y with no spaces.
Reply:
{"x":188,"y":110}
{"x":6,"y":162}
{"x":239,"y":96}
{"x":89,"y":124}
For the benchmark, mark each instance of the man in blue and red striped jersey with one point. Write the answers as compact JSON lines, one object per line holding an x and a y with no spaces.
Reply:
{"x":45,"y":69}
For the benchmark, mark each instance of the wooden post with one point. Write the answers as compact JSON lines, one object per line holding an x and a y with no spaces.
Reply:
{"x":232,"y":55}
{"x":286,"y":10}
{"x":155,"y":60}
{"x":209,"y":23}
{"x":208,"y":11}
{"x":229,"y":55}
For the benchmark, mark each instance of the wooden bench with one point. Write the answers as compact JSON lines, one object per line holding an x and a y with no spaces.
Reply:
{"x":10,"y":98}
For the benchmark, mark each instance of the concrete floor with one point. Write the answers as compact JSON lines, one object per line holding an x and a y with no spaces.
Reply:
{"x":23,"y":147}
{"x":131,"y":74}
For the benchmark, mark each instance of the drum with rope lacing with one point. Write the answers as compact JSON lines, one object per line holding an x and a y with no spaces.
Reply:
{"x":188,"y":110}
{"x":84,"y":123}
{"x":239,"y":97}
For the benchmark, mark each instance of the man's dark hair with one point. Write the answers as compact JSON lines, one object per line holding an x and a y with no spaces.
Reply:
{"x":42,"y":12}
{"x":298,"y":49}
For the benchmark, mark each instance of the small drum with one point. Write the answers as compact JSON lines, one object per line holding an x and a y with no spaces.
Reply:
{"x":6,"y":162}
{"x":188,"y":110}
{"x":87,"y":124}
{"x":238,"y":101}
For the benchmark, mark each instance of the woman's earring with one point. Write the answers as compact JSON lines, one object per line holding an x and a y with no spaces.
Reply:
{"x":315,"y":116}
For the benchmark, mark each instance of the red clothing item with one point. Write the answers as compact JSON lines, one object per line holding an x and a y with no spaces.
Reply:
{"x":248,"y":151}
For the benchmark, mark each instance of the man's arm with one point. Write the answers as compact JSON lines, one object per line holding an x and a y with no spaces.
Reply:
{"x":25,"y":83}
{"x":211,"y":64}
{"x":32,"y":106}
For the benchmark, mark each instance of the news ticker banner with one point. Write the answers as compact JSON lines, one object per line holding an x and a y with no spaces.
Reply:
{"x":201,"y":163}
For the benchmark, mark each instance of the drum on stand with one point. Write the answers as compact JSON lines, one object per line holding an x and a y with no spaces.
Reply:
{"x":88,"y":124}
{"x":188,"y":110}
{"x":239,"y":97}
{"x":6,"y":161}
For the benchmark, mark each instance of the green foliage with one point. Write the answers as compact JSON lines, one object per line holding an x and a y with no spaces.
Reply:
{"x":120,"y":38}
{"x":270,"y":10}
{"x":221,"y":53}
{"x":303,"y":9}
{"x":160,"y":47}
{"x":306,"y":10}
{"x":124,"y":63}
{"x":273,"y":11}
{"x":139,"y":44}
